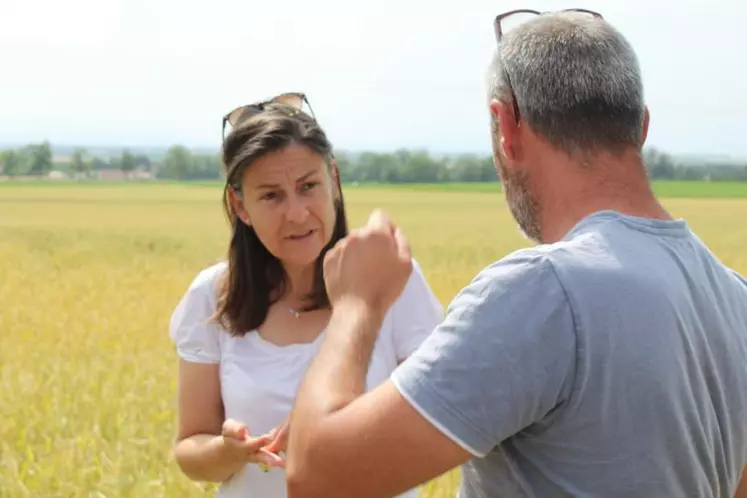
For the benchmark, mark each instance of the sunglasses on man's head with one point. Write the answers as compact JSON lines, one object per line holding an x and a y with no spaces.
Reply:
{"x":294,"y":100}
{"x":508,"y":20}
{"x":504,"y":22}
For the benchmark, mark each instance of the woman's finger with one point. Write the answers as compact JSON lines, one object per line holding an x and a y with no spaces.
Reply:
{"x":252,"y":450}
{"x":279,"y":438}
{"x":235,"y":429}
{"x":269,"y":458}
{"x":254,"y":444}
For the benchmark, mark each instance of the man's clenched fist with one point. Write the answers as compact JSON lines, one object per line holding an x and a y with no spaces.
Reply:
{"x":370,"y":266}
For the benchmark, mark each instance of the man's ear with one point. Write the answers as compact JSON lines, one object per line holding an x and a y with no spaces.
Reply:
{"x":506,"y":125}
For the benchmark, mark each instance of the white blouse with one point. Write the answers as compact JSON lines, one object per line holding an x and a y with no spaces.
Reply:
{"x":259,"y":379}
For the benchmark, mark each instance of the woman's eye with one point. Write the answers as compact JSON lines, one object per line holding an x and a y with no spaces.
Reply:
{"x":309,"y":185}
{"x":268,"y":196}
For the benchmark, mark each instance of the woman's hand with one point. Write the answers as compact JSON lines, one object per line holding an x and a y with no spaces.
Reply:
{"x":240,"y":446}
{"x":279,"y":437}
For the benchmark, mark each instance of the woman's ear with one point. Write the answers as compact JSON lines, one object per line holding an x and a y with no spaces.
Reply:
{"x":238,"y":206}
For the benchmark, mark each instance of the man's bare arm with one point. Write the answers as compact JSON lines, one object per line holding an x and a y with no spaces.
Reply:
{"x":346,"y":443}
{"x":742,"y":487}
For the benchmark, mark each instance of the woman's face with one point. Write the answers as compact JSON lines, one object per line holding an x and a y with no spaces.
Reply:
{"x":288,"y":198}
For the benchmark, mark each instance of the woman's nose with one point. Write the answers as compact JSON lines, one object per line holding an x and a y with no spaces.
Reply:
{"x":298,"y":210}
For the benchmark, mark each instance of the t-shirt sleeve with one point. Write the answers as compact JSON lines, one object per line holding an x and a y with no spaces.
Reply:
{"x":741,"y":279}
{"x":502,"y":359}
{"x":415,"y":314}
{"x":195,"y":336}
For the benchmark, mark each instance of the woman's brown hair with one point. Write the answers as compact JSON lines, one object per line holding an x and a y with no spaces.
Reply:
{"x":255,"y":278}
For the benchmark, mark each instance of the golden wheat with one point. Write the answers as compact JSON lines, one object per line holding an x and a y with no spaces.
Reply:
{"x":88,"y":279}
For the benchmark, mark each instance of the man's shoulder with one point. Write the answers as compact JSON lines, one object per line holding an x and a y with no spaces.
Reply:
{"x":537,"y":262}
{"x":520,"y":262}
{"x":527,"y":271}
{"x":542,"y":270}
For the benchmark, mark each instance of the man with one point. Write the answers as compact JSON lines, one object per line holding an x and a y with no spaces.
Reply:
{"x":609,"y":360}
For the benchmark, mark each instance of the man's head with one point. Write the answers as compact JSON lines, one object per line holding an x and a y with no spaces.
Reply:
{"x":576,"y":84}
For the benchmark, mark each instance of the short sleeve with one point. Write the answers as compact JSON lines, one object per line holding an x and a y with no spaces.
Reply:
{"x":415,"y":314}
{"x":195,"y":336}
{"x":742,"y":280}
{"x":502,"y":359}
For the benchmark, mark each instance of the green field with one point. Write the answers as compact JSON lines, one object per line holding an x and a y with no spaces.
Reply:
{"x":676,"y":189}
{"x":663,"y":189}
{"x":90,"y":274}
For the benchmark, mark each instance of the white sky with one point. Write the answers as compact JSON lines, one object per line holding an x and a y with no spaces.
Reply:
{"x":380,"y":75}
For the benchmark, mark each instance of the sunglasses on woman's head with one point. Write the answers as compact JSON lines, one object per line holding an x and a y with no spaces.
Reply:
{"x":294,"y":101}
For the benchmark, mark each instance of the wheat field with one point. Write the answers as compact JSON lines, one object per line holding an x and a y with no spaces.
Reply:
{"x":89,"y":275}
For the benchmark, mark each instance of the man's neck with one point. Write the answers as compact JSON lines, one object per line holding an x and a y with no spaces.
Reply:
{"x":617,"y":185}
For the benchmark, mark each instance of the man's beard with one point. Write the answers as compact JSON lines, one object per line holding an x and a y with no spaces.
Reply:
{"x":521,"y":203}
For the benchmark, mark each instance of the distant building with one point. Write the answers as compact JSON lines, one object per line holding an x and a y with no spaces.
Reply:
{"x":112,"y":174}
{"x":57,"y":175}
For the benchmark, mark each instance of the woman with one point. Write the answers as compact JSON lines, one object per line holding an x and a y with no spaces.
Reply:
{"x":247,"y":329}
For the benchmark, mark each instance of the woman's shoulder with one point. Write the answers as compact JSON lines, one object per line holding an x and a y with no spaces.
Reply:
{"x":205,"y":283}
{"x":417,"y":288}
{"x":209,"y":276}
{"x":197,"y":338}
{"x":414,"y":315}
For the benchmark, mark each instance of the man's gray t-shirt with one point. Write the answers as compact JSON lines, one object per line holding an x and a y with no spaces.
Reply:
{"x":612,"y":363}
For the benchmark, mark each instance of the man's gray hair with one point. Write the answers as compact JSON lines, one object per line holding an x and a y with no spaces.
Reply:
{"x":576,"y":81}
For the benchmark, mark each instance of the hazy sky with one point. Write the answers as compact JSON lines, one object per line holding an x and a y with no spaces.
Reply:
{"x":380,"y":75}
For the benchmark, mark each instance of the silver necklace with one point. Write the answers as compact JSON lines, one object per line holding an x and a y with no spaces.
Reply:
{"x":295,"y":313}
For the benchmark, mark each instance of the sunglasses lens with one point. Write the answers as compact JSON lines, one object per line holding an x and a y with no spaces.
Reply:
{"x":291,"y":99}
{"x":238,"y":115}
{"x":509,"y":23}
{"x":241,"y":114}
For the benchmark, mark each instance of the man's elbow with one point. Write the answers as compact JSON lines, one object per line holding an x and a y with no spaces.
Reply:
{"x":308,"y":477}
{"x":302,"y":483}
{"x":296,"y":486}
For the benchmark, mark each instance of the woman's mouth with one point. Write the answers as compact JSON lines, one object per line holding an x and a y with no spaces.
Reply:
{"x":302,"y":236}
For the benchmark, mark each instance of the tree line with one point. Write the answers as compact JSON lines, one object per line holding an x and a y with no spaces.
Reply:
{"x":400,"y":166}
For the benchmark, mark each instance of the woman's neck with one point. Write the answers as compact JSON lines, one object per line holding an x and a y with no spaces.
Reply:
{"x":300,"y":283}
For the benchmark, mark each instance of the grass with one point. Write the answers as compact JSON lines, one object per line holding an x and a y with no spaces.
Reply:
{"x":90,"y":275}
{"x":666,"y":189}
